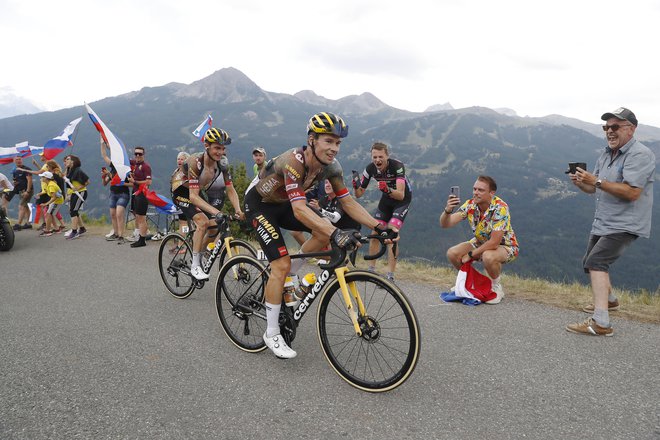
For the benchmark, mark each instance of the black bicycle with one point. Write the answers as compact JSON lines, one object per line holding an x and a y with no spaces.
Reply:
{"x":175,"y":257}
{"x":367,"y":328}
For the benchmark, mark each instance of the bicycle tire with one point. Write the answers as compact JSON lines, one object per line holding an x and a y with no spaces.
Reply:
{"x":388,"y":350}
{"x":239,"y":301}
{"x":238,"y":247}
{"x":6,"y":236}
{"x":174,"y":257}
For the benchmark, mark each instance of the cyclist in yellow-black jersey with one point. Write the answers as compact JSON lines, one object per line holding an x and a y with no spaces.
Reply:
{"x":276,"y":199}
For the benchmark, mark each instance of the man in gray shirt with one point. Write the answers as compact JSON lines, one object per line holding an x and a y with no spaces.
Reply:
{"x":623,"y":183}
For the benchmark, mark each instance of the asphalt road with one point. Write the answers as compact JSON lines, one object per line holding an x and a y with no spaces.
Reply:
{"x":92,"y":346}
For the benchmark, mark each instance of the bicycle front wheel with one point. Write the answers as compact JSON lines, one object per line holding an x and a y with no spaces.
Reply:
{"x":386,"y":353}
{"x":237,"y":247}
{"x":239,"y":300}
{"x":174,"y":258}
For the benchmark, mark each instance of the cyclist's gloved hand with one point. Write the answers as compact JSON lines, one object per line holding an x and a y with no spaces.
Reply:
{"x":219,"y":218}
{"x":355,"y":179}
{"x":345,"y":239}
{"x":389,"y":234}
{"x":382,"y":185}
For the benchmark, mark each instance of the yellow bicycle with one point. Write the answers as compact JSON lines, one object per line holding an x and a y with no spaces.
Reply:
{"x":367,"y":328}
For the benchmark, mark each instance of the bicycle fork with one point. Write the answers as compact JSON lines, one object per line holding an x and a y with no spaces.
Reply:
{"x":345,"y":288}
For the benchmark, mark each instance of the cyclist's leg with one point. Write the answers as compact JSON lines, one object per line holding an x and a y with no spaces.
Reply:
{"x":200,"y":221}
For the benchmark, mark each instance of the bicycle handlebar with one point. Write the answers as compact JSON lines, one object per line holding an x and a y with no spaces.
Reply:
{"x":338,"y":256}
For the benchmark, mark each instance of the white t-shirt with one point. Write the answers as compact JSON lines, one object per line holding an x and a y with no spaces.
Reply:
{"x":6,"y":181}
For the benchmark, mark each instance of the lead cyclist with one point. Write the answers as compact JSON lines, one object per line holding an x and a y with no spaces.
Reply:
{"x":276,"y":200}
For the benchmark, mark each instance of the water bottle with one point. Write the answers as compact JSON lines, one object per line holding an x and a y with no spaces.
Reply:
{"x":306,"y":285}
{"x":290,"y":292}
{"x":208,"y":250}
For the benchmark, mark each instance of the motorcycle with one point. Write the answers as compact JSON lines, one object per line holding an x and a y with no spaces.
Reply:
{"x":6,"y":232}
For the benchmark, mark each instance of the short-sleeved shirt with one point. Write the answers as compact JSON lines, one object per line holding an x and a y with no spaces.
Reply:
{"x":211,"y":181}
{"x":285,"y":178}
{"x":394,"y":172}
{"x":141,"y":171}
{"x":20,"y":178}
{"x":496,"y":218}
{"x":634,"y":164}
{"x":52,"y":189}
{"x":78,"y":179}
{"x":3,"y":178}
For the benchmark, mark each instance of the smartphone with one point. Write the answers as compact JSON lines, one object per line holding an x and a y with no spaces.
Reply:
{"x":455,"y":191}
{"x":573,"y":165}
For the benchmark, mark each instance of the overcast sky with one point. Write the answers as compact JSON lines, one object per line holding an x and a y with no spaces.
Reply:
{"x":575,"y":58}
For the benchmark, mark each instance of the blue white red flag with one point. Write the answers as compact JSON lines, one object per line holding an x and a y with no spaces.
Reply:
{"x":22,"y":149}
{"x":118,"y":155}
{"x":33,"y":212}
{"x":200,"y":131}
{"x":162,"y":203}
{"x":56,"y":145}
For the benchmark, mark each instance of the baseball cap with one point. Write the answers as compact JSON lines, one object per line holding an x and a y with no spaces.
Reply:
{"x":46,"y":174}
{"x":621,"y":113}
{"x":259,"y":149}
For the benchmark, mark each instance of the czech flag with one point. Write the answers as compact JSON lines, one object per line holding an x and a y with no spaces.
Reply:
{"x":162,"y":203}
{"x":200,"y":131}
{"x":56,"y":145}
{"x":118,"y":154}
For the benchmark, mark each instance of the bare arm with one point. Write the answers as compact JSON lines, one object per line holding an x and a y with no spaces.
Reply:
{"x":233,"y":199}
{"x":447,"y":219}
{"x":587,"y":183}
{"x":310,"y":219}
{"x":357,"y":212}
{"x":104,"y":154}
{"x":359,"y":192}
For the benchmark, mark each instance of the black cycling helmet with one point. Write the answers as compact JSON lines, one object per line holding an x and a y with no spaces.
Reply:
{"x":327,"y":123}
{"x":217,"y":136}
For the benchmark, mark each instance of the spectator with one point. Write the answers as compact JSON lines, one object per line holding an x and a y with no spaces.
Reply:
{"x":22,"y":181}
{"x":76,"y":180}
{"x":259,"y":158}
{"x":179,"y":191}
{"x":494,"y":241}
{"x":119,"y":197}
{"x":329,"y":206}
{"x":52,"y":206}
{"x":42,"y":197}
{"x":623,"y":184}
{"x":140,"y":178}
{"x":394,"y":201}
{"x":5,"y":186}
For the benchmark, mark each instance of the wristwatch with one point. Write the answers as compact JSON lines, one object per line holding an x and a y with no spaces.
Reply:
{"x":599,"y":182}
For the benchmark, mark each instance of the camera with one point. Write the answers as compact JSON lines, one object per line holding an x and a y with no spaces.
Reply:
{"x":573,"y":165}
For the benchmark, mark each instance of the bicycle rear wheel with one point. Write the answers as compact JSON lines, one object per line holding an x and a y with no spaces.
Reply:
{"x":174,"y":258}
{"x":237,"y":247}
{"x":386,"y":353}
{"x":239,"y":301}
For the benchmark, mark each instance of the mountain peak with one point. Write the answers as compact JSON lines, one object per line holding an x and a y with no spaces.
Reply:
{"x":225,"y":85}
{"x":439,"y":107}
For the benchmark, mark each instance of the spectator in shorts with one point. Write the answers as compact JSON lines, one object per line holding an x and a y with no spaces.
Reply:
{"x":119,"y":197}
{"x":141,"y":179}
{"x":54,"y":203}
{"x":22,"y":181}
{"x":76,"y":180}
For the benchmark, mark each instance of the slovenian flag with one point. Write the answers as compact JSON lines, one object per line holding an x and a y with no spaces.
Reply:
{"x":118,"y":155}
{"x":200,"y":131}
{"x":23,"y":149}
{"x":162,"y":203}
{"x":56,"y":145}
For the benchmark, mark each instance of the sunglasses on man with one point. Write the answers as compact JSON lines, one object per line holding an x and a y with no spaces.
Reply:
{"x":615,"y":127}
{"x":139,"y":154}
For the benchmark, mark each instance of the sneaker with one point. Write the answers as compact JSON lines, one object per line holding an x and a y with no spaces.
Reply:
{"x":113,"y":237}
{"x":68,"y":233}
{"x":17,"y":227}
{"x":73,"y":235}
{"x":612,"y":306}
{"x":121,"y":240}
{"x":41,"y":227}
{"x":499,"y":294}
{"x":130,"y":238}
{"x":138,"y":243}
{"x":82,"y":230}
{"x":27,"y":226}
{"x":59,"y":230}
{"x":279,"y":347}
{"x":45,"y":233}
{"x":110,"y":234}
{"x":199,"y":273}
{"x":589,"y":327}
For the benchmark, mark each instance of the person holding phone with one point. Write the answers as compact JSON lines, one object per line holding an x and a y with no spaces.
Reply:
{"x":622,"y":182}
{"x":494,"y":242}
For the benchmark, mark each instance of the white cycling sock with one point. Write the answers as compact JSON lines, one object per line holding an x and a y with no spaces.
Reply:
{"x":272,"y":319}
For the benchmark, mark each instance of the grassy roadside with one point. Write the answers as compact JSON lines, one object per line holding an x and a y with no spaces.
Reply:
{"x":643,"y":307}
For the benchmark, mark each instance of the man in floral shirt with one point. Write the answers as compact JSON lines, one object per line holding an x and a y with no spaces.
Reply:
{"x":494,"y":241}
